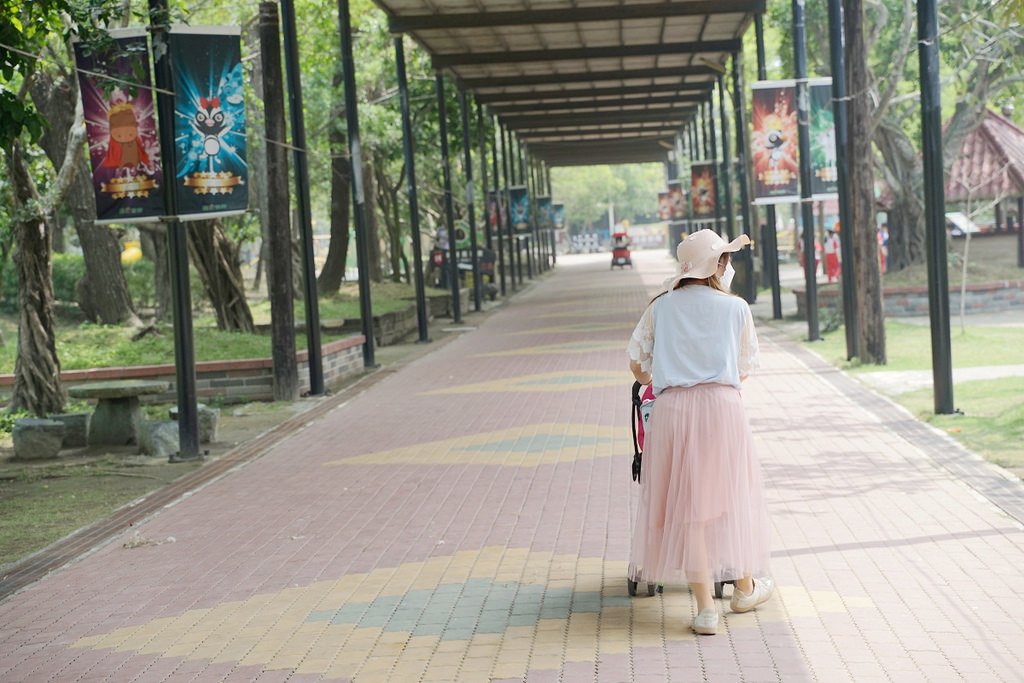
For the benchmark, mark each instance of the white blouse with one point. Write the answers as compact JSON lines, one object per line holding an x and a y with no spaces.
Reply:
{"x":695,"y":335}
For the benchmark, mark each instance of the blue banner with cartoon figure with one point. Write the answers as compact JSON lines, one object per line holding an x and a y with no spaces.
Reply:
{"x":558,"y":215}
{"x":544,"y":215}
{"x":211,"y":173}
{"x":519,"y":201}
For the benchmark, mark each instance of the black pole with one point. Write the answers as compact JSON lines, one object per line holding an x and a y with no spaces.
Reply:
{"x":291,"y":61}
{"x":515,"y":258}
{"x":770,"y":248}
{"x":470,"y":200}
{"x":934,"y":203}
{"x":726,"y":172}
{"x":481,"y":132}
{"x":410,"y":188}
{"x":713,"y":141}
{"x":804,"y":139}
{"x":846,"y":275}
{"x":738,"y":87}
{"x":554,"y":234}
{"x":498,"y":203}
{"x":177,"y":246}
{"x":358,"y":200}
{"x":449,"y":211}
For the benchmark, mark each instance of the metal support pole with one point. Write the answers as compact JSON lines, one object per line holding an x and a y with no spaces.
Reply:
{"x":295,"y":110}
{"x":515,"y":256}
{"x":738,"y":88}
{"x":358,"y":198}
{"x":770,"y":246}
{"x":804,"y":139}
{"x":410,"y":188}
{"x":934,"y":203}
{"x":449,"y":211}
{"x":713,"y":141}
{"x":177,"y":247}
{"x":849,"y":287}
{"x":470,"y":200}
{"x":481,"y":132}
{"x":507,"y":197}
{"x":726,"y":172}
{"x":499,"y":202}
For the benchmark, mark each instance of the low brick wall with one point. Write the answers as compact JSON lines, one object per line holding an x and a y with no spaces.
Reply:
{"x":901,"y":302}
{"x":233,"y":381}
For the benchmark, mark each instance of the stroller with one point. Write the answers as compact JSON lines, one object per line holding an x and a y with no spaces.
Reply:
{"x":620,"y":250}
{"x":641,"y":413}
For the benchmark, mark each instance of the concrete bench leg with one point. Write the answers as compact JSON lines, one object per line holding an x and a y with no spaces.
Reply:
{"x":115,"y":422}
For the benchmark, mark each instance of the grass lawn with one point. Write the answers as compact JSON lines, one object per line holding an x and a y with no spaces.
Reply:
{"x":992,"y":423}
{"x":82,"y":346}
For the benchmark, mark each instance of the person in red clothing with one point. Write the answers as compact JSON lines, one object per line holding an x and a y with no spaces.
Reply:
{"x":832,"y":255}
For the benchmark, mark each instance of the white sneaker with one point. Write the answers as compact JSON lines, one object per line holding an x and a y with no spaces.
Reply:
{"x":744,"y":603}
{"x":706,"y":623}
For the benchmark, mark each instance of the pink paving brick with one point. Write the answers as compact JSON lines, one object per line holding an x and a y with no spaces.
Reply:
{"x":341,"y":538}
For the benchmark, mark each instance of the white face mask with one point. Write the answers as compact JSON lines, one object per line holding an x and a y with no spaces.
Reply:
{"x":728,"y":275}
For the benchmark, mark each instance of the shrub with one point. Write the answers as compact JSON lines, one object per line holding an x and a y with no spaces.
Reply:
{"x":67,"y":271}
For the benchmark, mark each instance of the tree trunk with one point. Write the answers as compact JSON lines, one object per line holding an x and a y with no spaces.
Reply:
{"x":103,"y":290}
{"x":216,"y":260}
{"x":257,"y":154}
{"x":389,"y":202}
{"x":864,"y":231}
{"x":333,"y":271}
{"x":153,"y":240}
{"x":372,"y":229}
{"x":37,"y":386}
{"x":279,"y":274}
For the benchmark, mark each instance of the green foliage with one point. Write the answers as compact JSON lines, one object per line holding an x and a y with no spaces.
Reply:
{"x":68,"y":269}
{"x":141,"y":278}
{"x":586,"y":191}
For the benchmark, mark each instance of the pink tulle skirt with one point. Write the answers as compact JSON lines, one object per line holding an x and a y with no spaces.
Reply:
{"x":702,"y":515}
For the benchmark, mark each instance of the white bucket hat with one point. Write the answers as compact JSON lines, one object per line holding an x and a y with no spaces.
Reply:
{"x":698,"y":255}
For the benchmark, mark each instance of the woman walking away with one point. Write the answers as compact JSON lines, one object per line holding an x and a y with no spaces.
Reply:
{"x":702,"y":516}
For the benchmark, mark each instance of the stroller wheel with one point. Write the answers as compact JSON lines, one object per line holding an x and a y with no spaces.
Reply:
{"x":631,"y":586}
{"x":650,"y":589}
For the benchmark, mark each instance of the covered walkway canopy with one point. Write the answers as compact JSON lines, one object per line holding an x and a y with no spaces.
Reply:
{"x":582,"y":81}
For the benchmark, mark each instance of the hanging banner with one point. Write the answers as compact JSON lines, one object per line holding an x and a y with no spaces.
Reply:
{"x":703,"y":184}
{"x":664,"y":206}
{"x":544,"y":216}
{"x":822,"y":129}
{"x":209,"y":122}
{"x":495,"y":214}
{"x":519,"y":200}
{"x":774,"y":144}
{"x":558,"y":215}
{"x":120,"y":126}
{"x":676,"y":200}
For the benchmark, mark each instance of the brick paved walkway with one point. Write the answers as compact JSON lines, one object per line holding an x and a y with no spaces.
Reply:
{"x":467,"y":518}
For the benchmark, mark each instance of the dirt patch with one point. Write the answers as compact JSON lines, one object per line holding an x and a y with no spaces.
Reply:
{"x":43,"y":501}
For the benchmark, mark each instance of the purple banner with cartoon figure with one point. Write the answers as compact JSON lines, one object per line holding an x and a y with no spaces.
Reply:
{"x":211,"y":173}
{"x":120,"y":125}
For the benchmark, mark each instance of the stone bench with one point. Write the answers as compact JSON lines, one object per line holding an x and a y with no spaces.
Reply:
{"x":207,"y":419}
{"x":37,"y":438}
{"x":117,"y":419}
